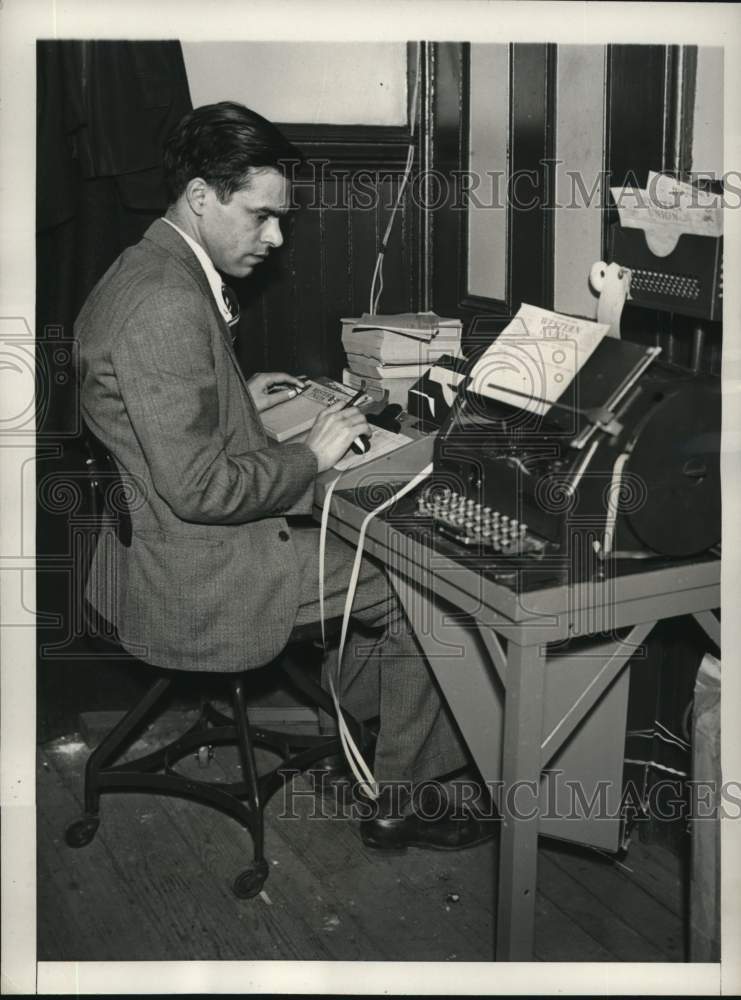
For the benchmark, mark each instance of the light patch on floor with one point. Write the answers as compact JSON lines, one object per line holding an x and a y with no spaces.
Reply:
{"x":68,"y":746}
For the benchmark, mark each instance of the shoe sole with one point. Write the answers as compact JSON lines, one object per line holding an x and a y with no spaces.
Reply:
{"x":424,"y":845}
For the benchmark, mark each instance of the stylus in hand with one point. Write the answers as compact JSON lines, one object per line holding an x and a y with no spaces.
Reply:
{"x":362,"y":443}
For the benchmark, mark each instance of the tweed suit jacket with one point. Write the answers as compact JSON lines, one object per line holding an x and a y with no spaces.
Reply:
{"x":210,"y":580}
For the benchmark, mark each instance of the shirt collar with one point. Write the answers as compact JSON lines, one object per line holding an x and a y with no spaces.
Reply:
{"x":212,"y":275}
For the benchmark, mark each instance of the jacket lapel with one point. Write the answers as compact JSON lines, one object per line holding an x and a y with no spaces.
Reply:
{"x":161,"y":233}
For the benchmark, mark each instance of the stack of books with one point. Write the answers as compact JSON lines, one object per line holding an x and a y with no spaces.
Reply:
{"x":390,"y":353}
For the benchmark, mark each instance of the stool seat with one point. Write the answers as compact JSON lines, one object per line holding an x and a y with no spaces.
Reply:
{"x":102,"y":630}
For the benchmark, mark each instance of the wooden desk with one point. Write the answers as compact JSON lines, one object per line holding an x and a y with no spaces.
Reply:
{"x":537,"y":681}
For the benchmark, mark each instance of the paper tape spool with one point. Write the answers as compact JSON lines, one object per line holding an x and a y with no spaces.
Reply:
{"x":612,"y":282}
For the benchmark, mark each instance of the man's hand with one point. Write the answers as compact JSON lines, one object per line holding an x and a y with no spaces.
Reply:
{"x":334,"y":431}
{"x":263,"y":391}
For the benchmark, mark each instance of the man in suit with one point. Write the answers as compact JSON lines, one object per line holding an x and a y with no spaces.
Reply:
{"x":217,"y":573}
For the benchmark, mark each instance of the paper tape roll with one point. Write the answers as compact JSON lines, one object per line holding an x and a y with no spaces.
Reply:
{"x":613,"y":284}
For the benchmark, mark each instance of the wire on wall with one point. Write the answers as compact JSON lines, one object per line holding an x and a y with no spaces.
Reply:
{"x":375,"y":297}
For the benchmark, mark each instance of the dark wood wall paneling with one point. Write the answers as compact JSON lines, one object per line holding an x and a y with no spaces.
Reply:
{"x":344,"y":192}
{"x":532,"y":150}
{"x":638,"y":78}
{"x":445,"y":123}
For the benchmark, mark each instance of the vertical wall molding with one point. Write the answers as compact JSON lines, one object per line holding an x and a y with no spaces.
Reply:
{"x":486,"y":151}
{"x":637,"y":77}
{"x":532,"y":158}
{"x":446,"y":146}
{"x":425,"y":138}
{"x":679,"y":108}
{"x":580,"y":118}
{"x":532,"y":145}
{"x":706,"y":156}
{"x":684,"y":114}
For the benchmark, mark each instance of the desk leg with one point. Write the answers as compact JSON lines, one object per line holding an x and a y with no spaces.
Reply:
{"x":462,"y":667}
{"x":518,"y":851}
{"x":710,"y":625}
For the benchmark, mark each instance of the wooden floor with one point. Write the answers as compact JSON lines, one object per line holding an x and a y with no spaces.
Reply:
{"x":155,"y":884}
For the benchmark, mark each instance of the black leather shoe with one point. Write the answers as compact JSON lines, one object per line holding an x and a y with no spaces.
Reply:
{"x":331,"y":777}
{"x":433,"y":827}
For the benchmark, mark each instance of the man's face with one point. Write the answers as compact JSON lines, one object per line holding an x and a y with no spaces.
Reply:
{"x":239,"y":234}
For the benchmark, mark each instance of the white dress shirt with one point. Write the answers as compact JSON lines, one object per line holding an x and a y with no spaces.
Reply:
{"x":213,"y":276}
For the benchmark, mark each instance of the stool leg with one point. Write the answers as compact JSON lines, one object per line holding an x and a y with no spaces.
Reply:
{"x":117,"y":739}
{"x":82,"y":831}
{"x":299,"y":676}
{"x":323,"y":700}
{"x":249,"y":882}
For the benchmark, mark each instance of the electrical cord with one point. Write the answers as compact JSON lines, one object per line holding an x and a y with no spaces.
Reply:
{"x":659,"y":767}
{"x":668,"y":735}
{"x":652,"y":734}
{"x":360,"y":769}
{"x":673,"y":736}
{"x":375,"y":297}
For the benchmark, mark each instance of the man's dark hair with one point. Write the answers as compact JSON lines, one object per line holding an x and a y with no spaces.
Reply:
{"x":220,"y":142}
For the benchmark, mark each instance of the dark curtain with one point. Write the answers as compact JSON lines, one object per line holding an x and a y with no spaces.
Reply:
{"x":104,"y":110}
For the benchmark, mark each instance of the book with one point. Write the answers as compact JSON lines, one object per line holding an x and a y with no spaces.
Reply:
{"x":369,"y":367}
{"x":387,"y":347}
{"x":294,"y":416}
{"x":422,"y":326}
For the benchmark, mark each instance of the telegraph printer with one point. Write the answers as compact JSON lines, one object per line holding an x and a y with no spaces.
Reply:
{"x":624,"y":466}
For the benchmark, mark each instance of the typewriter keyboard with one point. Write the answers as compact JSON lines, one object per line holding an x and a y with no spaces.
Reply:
{"x":474,"y":524}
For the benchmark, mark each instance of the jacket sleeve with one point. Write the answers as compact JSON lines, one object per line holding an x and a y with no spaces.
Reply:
{"x":164,"y":366}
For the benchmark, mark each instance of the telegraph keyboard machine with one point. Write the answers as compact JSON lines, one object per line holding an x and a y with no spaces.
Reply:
{"x":622,"y":469}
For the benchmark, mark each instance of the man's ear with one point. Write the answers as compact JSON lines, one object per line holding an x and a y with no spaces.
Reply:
{"x":195,"y":194}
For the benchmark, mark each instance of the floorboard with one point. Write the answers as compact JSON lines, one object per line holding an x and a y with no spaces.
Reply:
{"x":156,"y":884}
{"x":589,"y":911}
{"x":83,"y":901}
{"x":629,"y":903}
{"x":657,"y":871}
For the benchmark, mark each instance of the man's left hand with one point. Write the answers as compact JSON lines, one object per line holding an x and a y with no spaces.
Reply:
{"x":270,"y":388}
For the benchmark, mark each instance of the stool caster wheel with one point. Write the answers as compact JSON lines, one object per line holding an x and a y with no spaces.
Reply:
{"x":249,"y":882}
{"x":82,"y":831}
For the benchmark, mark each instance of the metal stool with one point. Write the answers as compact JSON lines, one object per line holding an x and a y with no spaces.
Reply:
{"x":244,"y":800}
